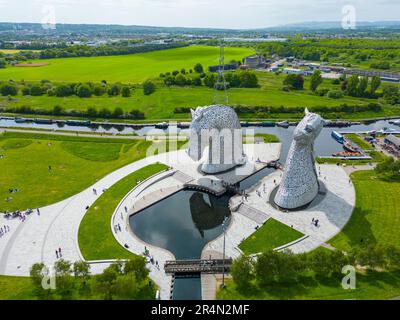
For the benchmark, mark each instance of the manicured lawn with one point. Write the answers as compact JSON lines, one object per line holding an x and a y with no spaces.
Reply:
{"x":96,"y":240}
{"x":75,"y":162}
{"x":134,"y":68}
{"x":376,"y":217}
{"x":372,"y":285}
{"x":271,"y":235}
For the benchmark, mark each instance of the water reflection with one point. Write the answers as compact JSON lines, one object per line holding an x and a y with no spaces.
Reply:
{"x":183,"y":223}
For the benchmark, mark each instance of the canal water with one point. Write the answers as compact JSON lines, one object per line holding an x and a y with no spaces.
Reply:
{"x":183,"y":224}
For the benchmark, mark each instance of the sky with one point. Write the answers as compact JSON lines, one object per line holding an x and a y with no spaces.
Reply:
{"x":236,"y":14}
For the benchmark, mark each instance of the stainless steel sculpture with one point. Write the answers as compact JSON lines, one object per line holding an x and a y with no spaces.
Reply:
{"x":299,"y":184}
{"x":217,"y":127}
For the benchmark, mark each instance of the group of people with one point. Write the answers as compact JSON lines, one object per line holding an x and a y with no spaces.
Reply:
{"x":58,"y":253}
{"x":4,"y":230}
{"x":315,"y":222}
{"x":150,"y":258}
{"x":117,"y":228}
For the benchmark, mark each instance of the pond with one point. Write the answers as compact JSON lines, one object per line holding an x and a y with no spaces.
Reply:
{"x":183,"y":224}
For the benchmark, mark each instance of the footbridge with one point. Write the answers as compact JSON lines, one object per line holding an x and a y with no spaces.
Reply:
{"x":210,"y":266}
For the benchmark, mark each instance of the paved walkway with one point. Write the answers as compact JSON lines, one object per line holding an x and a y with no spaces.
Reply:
{"x":333,"y":210}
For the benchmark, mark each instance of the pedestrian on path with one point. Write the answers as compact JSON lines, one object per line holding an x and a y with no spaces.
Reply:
{"x":59,"y":252}
{"x":38,"y":211}
{"x":56,"y":253}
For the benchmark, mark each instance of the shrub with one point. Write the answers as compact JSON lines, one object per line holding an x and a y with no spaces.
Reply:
{"x":148,"y":87}
{"x":335,"y":94}
{"x":126,"y":92}
{"x":7,"y":89}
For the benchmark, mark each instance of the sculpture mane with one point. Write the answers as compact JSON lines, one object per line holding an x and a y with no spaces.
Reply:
{"x":219,"y":128}
{"x":299,"y":184}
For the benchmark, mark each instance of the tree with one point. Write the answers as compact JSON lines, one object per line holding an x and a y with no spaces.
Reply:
{"x":118,"y":112}
{"x":198,"y":68}
{"x":99,"y":90}
{"x":36,"y":90}
{"x":391,"y":94}
{"x":84,"y":91}
{"x":137,"y":266}
{"x":91,"y":112}
{"x":210,"y":80}
{"x":320,"y":263}
{"x":180,"y":80}
{"x":392,"y":257}
{"x":81,"y":269}
{"x":352,"y":85}
{"x":294,"y":81}
{"x":148,"y":87}
{"x":316,"y":80}
{"x":242,"y":272}
{"x":62,"y":267}
{"x":375,"y":84}
{"x":63,"y":91}
{"x":8,"y":89}
{"x":197,"y":81}
{"x":2,"y":63}
{"x":362,"y":86}
{"x":114,"y":90}
{"x":126,"y":92}
{"x":105,"y":282}
{"x":104,"y":113}
{"x":57,"y":110}
{"x":127,"y":286}
{"x":248,"y":79}
{"x":266,"y":268}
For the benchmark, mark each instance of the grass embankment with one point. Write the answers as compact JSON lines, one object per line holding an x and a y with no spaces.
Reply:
{"x":370,"y":285}
{"x":16,"y":288}
{"x":95,"y":237}
{"x":134,"y":68}
{"x":266,"y":137}
{"x":76,"y":163}
{"x":376,"y":217}
{"x":359,"y":141}
{"x":270,"y":235}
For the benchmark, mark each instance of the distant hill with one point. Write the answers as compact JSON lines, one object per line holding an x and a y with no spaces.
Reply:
{"x":121,"y":30}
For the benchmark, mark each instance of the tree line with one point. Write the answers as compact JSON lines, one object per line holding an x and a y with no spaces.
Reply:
{"x":121,"y":280}
{"x":272,"y":267}
{"x":197,"y":77}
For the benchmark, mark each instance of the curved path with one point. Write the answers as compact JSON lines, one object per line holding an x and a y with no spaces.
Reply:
{"x":37,"y":238}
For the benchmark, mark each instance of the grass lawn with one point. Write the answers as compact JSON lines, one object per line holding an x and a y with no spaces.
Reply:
{"x":372,"y":285}
{"x":376,"y":217}
{"x":161,"y":104}
{"x":76,"y":163}
{"x":359,"y":141}
{"x":271,"y":235}
{"x":95,"y":237}
{"x":16,"y":288}
{"x":134,"y":68}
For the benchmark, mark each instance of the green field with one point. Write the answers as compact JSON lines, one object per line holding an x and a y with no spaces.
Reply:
{"x":95,"y":237}
{"x":161,"y":104}
{"x":133,"y":68}
{"x":76,"y":163}
{"x":376,"y":217}
{"x":271,"y":235}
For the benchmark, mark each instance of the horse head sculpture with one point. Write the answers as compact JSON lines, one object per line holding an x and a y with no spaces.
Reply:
{"x":300,"y":184}
{"x":217,"y":127}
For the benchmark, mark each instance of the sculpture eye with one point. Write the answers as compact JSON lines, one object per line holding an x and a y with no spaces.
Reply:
{"x":308,"y":128}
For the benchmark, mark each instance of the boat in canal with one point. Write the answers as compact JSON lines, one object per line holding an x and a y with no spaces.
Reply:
{"x":283,"y":124}
{"x":338,"y":137}
{"x":268,"y":124}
